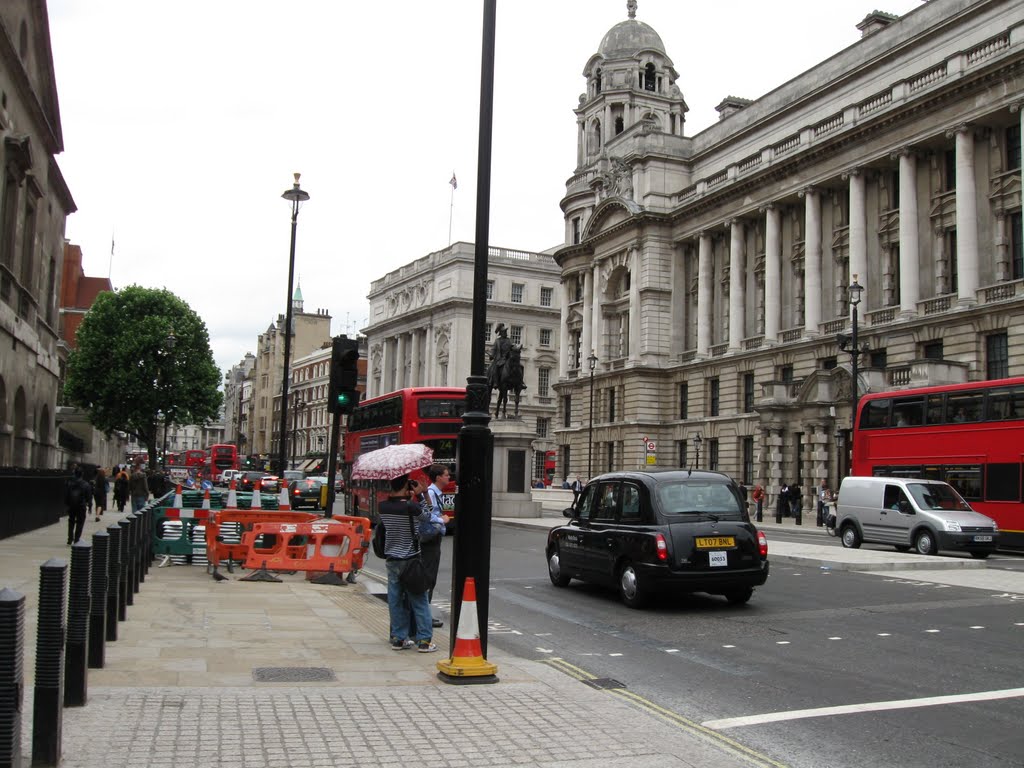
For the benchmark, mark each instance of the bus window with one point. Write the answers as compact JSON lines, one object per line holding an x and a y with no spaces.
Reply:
{"x":1002,"y":482}
{"x":935,"y":409}
{"x":908,"y":411}
{"x":1004,"y":404}
{"x":875,"y":414}
{"x":966,"y":480}
{"x":963,"y":407}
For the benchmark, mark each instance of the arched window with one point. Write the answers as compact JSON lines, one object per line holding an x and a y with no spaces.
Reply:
{"x":596,"y":135}
{"x":597,"y":82}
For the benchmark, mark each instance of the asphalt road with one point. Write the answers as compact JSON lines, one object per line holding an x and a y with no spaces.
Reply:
{"x":821,"y":668}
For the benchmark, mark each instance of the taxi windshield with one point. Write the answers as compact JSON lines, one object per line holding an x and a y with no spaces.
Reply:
{"x":697,"y":498}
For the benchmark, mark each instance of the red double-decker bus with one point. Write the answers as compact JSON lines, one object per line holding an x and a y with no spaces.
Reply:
{"x":970,"y":435}
{"x":428,"y":415}
{"x":194,"y":458}
{"x":222,"y":456}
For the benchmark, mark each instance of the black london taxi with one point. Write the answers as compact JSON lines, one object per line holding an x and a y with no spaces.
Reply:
{"x":643,"y":532}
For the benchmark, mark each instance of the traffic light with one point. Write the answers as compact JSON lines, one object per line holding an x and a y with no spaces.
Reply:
{"x":343,"y":395}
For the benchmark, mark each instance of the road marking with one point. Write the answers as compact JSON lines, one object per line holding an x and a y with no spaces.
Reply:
{"x":728,"y":646}
{"x":835,"y":638}
{"x":615,"y":654}
{"x":884,"y":634}
{"x":933,"y":630}
{"x":671,"y":650}
{"x":977,"y":627}
{"x":782,"y":642}
{"x":848,"y":709}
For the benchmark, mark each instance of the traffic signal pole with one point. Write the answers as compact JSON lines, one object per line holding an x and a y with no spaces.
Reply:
{"x":342,"y":398}
{"x":332,"y":461}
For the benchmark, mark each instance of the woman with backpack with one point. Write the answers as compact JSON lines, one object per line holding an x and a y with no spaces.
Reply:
{"x":100,"y":489}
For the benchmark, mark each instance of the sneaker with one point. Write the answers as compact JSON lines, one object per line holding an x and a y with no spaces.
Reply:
{"x":401,"y":645}
{"x":425,"y":646}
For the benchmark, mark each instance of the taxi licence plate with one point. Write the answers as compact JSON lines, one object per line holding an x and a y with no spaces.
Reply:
{"x":715,"y":542}
{"x":983,"y":538}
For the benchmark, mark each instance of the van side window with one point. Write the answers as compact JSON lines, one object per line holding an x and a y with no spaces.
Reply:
{"x":893,"y":496}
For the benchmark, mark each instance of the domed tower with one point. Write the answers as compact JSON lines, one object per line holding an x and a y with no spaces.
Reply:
{"x":631,"y":115}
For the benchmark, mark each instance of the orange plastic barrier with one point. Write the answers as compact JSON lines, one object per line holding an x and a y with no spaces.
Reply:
{"x":363,"y":528}
{"x":329,"y":545}
{"x":218,"y":550}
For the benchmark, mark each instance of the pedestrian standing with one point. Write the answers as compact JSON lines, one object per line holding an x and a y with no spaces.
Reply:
{"x":138,"y":488}
{"x":400,"y":516}
{"x":433,"y":530}
{"x":100,"y":489}
{"x":77,"y":492}
{"x":782,"y":504}
{"x":823,"y":497}
{"x":796,"y":501}
{"x":758,"y":496}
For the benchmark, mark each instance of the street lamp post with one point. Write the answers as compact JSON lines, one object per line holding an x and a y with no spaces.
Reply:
{"x":697,"y":440}
{"x":839,"y":455}
{"x":296,"y":196}
{"x":592,"y":360}
{"x":168,"y":350}
{"x":851,"y":345}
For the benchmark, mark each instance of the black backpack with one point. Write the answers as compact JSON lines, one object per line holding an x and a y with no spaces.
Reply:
{"x":73,"y":495}
{"x":378,"y":541}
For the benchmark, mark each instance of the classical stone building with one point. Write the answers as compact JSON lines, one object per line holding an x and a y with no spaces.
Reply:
{"x":421,"y":325}
{"x":34,"y":203}
{"x":709,"y":274}
{"x":234,"y":386}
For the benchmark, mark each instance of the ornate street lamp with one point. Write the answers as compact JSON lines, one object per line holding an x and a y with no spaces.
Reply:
{"x":592,"y":360}
{"x":296,"y":196}
{"x":851,"y":345}
{"x":697,"y":440}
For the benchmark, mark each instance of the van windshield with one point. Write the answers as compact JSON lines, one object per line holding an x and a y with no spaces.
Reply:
{"x":936,"y":496}
{"x":697,"y":498}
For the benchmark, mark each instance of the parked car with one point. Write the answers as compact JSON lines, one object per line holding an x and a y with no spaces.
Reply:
{"x":248,"y":480}
{"x":643,"y":532}
{"x":306,"y":492}
{"x":928,"y":515}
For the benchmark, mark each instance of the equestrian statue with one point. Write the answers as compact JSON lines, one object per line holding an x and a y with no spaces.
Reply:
{"x":505,"y":372}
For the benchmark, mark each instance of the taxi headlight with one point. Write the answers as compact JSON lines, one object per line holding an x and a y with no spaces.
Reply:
{"x":952,"y":526}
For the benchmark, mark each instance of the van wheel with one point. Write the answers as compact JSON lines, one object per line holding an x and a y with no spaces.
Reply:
{"x":739,"y":596}
{"x":925,"y":543}
{"x":631,"y":591}
{"x":850,"y":537}
{"x":980,"y":555}
{"x":558,"y":578}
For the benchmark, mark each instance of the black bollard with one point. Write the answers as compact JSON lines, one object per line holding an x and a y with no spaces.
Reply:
{"x":47,"y":712}
{"x":798,"y":513}
{"x":113,"y":580}
{"x":98,"y":601}
{"x":760,"y":510}
{"x":124,"y":594}
{"x":143,"y":564}
{"x":12,"y":675}
{"x":76,"y":649}
{"x":127,"y":524}
{"x":135,"y":554}
{"x":778,"y":511}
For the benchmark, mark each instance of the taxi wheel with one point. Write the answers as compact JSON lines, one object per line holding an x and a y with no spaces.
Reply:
{"x":980,"y":555}
{"x":739,"y":596}
{"x":926,"y":544}
{"x":558,"y":578}
{"x":631,"y":590}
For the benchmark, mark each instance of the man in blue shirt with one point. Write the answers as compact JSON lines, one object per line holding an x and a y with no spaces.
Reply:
{"x":433,"y":530}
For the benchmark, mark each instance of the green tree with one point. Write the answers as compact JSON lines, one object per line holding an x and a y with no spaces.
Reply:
{"x":141,"y":356}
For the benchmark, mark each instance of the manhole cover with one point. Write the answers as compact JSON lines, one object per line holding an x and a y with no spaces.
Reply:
{"x":293,"y":675}
{"x":604,"y":683}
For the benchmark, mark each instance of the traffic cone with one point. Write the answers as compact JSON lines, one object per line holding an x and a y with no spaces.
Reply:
{"x":178,"y":504}
{"x":467,"y":664}
{"x":282,"y":496}
{"x":206,"y":499}
{"x":255,"y":497}
{"x":232,"y":498}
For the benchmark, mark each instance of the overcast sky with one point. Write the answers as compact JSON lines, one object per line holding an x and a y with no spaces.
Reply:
{"x":183,"y":123}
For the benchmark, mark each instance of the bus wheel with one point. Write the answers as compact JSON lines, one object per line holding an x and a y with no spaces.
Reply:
{"x":925,"y":543}
{"x":850,"y":537}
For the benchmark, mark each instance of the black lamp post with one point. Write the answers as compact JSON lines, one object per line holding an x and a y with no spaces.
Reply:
{"x":168,"y":351}
{"x":592,"y":360}
{"x":851,"y":345}
{"x":296,"y":196}
{"x":697,"y":440}
{"x":840,"y":442}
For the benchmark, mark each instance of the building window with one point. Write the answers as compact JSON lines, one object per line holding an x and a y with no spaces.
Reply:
{"x":878,"y":359}
{"x":713,"y":454}
{"x":577,"y":230}
{"x":611,"y":458}
{"x":517,"y":293}
{"x":714,"y":391}
{"x":543,"y":382}
{"x":545,"y":337}
{"x":997,"y":362}
{"x":786,"y":374}
{"x":566,"y":455}
{"x":490,"y":290}
{"x":8,"y":220}
{"x":515,"y":334}
{"x":1012,"y":147}
{"x":950,"y":238}
{"x":546,"y":295}
{"x":684,"y":397}
{"x":949,"y":172}
{"x":567,"y":413}
{"x":1016,"y":246}
{"x":747,"y":450}
{"x":538,"y":466}
{"x":681,"y":452}
{"x":611,"y":404}
{"x":487,"y":332}
{"x":828,"y":363}
{"x":748,"y":392}
{"x":932,"y":350}
{"x":543,"y":426}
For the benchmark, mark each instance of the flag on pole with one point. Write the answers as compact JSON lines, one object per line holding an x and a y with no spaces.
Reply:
{"x":453,"y":182}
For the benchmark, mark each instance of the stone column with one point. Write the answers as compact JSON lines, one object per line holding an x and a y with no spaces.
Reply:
{"x":910,"y":270}
{"x":596,"y":334}
{"x":858,"y":234}
{"x":588,"y":315}
{"x":385,"y":363}
{"x":966,"y":218}
{"x":704,"y":295}
{"x":737,"y":299}
{"x":400,"y":355}
{"x":414,"y":370}
{"x":563,"y":333}
{"x":634,"y":304}
{"x":812,"y":261}
{"x":772,"y":273}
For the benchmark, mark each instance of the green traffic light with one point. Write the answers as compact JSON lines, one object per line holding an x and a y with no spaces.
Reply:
{"x":344,"y":398}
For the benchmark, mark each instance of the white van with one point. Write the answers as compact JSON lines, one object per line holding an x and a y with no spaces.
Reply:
{"x":911,"y":512}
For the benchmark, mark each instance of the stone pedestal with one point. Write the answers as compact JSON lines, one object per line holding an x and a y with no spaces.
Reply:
{"x":513,"y":461}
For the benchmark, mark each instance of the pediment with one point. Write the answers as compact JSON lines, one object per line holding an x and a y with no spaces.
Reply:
{"x":610,"y":213}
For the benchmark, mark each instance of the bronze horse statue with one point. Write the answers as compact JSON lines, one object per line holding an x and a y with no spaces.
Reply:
{"x":509,"y":378}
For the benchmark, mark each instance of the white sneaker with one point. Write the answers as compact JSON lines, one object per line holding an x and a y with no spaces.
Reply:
{"x":165,"y":561}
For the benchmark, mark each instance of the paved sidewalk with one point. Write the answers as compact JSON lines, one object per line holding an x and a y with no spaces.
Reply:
{"x":181,"y":685}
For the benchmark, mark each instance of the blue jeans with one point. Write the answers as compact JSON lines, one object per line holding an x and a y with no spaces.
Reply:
{"x":399,"y":603}
{"x":138,"y":502}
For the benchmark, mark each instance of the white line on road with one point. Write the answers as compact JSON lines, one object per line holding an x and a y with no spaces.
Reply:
{"x":848,"y":709}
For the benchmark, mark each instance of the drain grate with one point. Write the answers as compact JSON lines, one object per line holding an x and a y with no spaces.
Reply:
{"x":293,"y":675}
{"x":604,"y":683}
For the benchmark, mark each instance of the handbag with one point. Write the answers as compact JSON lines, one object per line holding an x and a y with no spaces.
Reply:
{"x":414,"y":578}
